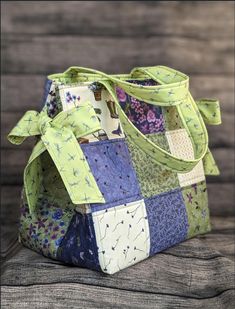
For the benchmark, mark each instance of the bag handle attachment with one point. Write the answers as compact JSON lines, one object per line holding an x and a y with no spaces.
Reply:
{"x":172,"y":91}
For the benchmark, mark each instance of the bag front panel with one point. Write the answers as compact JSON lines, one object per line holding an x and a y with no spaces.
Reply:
{"x":148,"y":208}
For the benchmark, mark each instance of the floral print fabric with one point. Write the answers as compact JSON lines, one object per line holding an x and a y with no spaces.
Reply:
{"x":104,"y":106}
{"x":196,"y":203}
{"x":146,"y":117}
{"x":44,"y":231}
{"x":167,"y":218}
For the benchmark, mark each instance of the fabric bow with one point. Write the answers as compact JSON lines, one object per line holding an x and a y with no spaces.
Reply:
{"x":58,"y":137}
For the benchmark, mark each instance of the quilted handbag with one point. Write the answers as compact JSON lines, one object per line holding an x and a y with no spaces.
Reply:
{"x":117,"y":172}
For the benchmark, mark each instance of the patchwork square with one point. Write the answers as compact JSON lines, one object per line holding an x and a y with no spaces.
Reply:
{"x":146,"y":117}
{"x":74,"y":95}
{"x":111,"y":165}
{"x":46,"y":90}
{"x":79,"y":244}
{"x":44,"y":231}
{"x":167,"y":217}
{"x":196,"y":201}
{"x":181,"y":146}
{"x":122,"y":235}
{"x":172,"y":118}
{"x":52,"y":103}
{"x":153,"y":178}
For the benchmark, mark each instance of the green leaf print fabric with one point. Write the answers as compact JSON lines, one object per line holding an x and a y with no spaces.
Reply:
{"x":153,"y":177}
{"x":196,"y":201}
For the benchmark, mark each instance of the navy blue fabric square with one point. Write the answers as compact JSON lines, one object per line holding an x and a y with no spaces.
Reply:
{"x":111,"y":165}
{"x":168,"y":222}
{"x":47,"y":87}
{"x":78,"y":246}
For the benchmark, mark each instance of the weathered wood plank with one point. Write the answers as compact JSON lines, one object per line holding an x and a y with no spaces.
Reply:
{"x":220,"y":242}
{"x":221,"y":199}
{"x":46,"y":54}
{"x":85,"y":296}
{"x":23,"y":92}
{"x":14,"y":160}
{"x":120,"y":18}
{"x":219,"y":136}
{"x":163,"y":270}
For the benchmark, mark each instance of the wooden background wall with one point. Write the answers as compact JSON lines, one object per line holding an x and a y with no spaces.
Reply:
{"x":47,"y":37}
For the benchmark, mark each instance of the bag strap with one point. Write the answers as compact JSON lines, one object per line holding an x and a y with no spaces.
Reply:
{"x":172,"y":91}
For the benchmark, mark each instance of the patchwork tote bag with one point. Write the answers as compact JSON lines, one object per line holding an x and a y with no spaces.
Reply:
{"x":117,"y":173}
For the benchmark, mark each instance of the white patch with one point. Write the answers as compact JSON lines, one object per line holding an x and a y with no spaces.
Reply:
{"x":181,"y":147}
{"x":72,"y":96}
{"x":122,"y":236}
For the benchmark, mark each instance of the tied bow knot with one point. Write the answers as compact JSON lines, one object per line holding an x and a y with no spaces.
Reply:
{"x":59,"y":137}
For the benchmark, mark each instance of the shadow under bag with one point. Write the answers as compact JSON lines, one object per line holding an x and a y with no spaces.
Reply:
{"x":117,"y":173}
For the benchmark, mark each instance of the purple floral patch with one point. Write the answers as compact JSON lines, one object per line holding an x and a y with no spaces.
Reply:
{"x":44,"y":230}
{"x":168,"y":223}
{"x":146,"y":117}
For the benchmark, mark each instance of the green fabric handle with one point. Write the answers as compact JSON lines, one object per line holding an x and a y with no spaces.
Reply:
{"x":58,"y":137}
{"x":173,"y":91}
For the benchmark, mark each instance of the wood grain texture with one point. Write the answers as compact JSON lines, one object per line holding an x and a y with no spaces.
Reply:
{"x":51,"y":53}
{"x":150,"y":275}
{"x":98,"y":297}
{"x":196,"y":37}
{"x":200,"y":19}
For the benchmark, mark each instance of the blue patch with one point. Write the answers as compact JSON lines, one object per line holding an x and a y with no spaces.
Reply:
{"x":78,"y":246}
{"x":168,"y":222}
{"x":47,"y":87}
{"x":111,"y":165}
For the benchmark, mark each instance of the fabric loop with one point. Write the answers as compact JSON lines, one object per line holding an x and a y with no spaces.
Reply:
{"x":58,"y":137}
{"x":172,"y":91}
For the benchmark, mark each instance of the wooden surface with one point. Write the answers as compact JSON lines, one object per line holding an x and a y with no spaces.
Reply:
{"x":47,"y":37}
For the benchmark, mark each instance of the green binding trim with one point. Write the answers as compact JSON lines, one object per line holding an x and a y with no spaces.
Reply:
{"x":58,"y":137}
{"x":172,"y":91}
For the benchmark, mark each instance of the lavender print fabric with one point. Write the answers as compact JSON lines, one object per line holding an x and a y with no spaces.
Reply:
{"x":146,"y":117}
{"x":47,"y":87}
{"x":168,"y":221}
{"x":111,"y":165}
{"x":79,"y":244}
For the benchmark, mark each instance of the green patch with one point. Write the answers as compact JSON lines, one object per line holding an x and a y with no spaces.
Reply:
{"x":196,"y":201}
{"x":153,"y":178}
{"x":172,"y":118}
